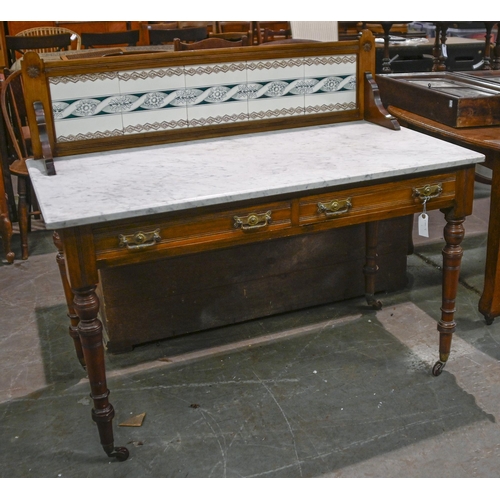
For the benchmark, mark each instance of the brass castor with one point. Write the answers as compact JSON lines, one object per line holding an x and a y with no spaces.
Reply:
{"x":121,"y":453}
{"x":437,"y":369}
{"x":488,"y":319}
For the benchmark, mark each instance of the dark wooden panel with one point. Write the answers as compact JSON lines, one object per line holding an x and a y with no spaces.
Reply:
{"x":192,"y":293}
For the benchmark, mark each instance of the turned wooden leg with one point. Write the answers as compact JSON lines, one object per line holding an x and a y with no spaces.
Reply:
{"x":487,"y":45}
{"x":5,"y":222}
{"x":83,"y":277}
{"x":23,"y":216}
{"x":452,"y":257}
{"x":6,"y":233}
{"x":436,"y":49}
{"x":68,"y":293}
{"x":370,"y":268}
{"x":489,"y":304}
{"x":90,"y":330}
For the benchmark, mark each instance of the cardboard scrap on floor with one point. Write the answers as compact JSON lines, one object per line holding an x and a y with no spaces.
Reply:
{"x":135,"y":421}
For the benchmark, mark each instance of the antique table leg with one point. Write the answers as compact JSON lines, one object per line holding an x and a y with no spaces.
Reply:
{"x":23,"y":216}
{"x":439,"y":57}
{"x":5,"y":224}
{"x":489,"y":304}
{"x":386,"y":60}
{"x":496,"y":52}
{"x":487,"y":45}
{"x":452,"y":257}
{"x":81,"y":268}
{"x":73,"y":318}
{"x":370,"y":268}
{"x":90,"y":331}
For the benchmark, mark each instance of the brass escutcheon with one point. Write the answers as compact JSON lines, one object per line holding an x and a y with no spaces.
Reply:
{"x":428,"y":191}
{"x":141,"y":239}
{"x":252,"y":221}
{"x":335,"y":207}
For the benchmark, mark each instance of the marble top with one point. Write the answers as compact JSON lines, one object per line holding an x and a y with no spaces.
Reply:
{"x":127,"y":183}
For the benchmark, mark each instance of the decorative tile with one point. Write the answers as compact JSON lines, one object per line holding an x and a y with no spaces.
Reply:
{"x":155,"y":120}
{"x":330,"y":102}
{"x":94,"y":127}
{"x":208,"y":75}
{"x":332,"y":83}
{"x":158,"y":99}
{"x":217,"y":113}
{"x":275,"y":69}
{"x":89,"y":85}
{"x":283,"y":107}
{"x":150,"y":80}
{"x":330,"y":65}
{"x":86,"y":106}
{"x":134,"y":102}
{"x":216,"y":93}
{"x":278,"y":88}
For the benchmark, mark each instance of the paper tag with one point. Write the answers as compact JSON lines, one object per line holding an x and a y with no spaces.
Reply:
{"x":423,"y":225}
{"x":444,"y":50}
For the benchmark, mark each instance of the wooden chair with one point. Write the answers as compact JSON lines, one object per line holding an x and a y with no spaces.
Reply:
{"x":18,"y":150}
{"x":274,"y":27}
{"x":209,"y":43}
{"x":210,"y":25}
{"x":162,"y":36}
{"x":54,"y":30}
{"x":273,"y":36}
{"x":234,"y":30}
{"x":43,"y":43}
{"x":8,"y":212}
{"x":129,"y":38}
{"x":162,"y":25}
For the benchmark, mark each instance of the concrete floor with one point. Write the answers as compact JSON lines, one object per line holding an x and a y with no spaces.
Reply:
{"x":333,"y":391}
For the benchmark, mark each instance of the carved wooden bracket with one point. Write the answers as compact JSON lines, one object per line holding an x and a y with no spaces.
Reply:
{"x":44,"y":138}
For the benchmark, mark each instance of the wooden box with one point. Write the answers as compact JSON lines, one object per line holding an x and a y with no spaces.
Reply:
{"x":191,"y":293}
{"x":456,"y":100}
{"x":491,"y":76}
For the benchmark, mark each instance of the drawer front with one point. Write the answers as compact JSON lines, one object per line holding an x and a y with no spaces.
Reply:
{"x":202,"y":229}
{"x":377,"y":202}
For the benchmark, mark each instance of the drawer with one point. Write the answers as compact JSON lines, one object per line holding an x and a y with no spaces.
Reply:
{"x":202,"y":227}
{"x":387,"y":200}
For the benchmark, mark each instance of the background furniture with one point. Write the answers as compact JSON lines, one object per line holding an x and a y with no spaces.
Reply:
{"x":7,"y":207}
{"x":463,"y":54}
{"x":278,"y":29}
{"x":209,"y":43}
{"x":276,"y":35}
{"x":321,"y":31}
{"x":18,"y":150}
{"x":161,"y":36}
{"x":46,"y":43}
{"x":53,"y":30}
{"x":129,"y":38}
{"x":233,"y":30}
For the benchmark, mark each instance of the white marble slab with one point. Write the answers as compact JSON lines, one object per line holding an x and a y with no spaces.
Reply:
{"x":127,"y":183}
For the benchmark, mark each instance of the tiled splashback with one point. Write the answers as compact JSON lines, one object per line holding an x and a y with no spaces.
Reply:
{"x":96,"y":105}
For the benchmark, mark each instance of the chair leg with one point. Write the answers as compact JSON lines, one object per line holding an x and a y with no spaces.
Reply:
{"x":33,"y":203}
{"x":6,"y":234}
{"x":23,"y":216}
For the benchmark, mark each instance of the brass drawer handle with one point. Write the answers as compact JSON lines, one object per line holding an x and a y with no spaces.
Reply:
{"x":335,"y":207}
{"x":428,"y":191}
{"x":252,"y":221}
{"x":139,"y":240}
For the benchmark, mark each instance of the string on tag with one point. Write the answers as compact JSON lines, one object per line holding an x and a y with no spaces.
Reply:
{"x":423,"y":220}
